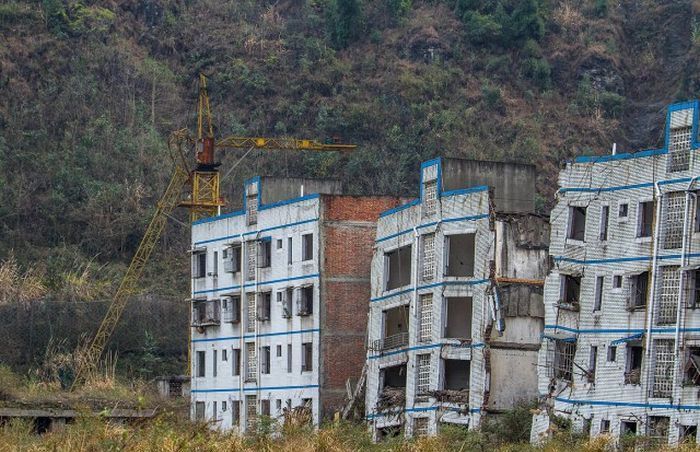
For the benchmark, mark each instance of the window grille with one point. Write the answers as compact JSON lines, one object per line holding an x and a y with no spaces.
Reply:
{"x":252,"y":361}
{"x":422,"y":374}
{"x":679,"y":149}
{"x":251,"y":206}
{"x":426,"y":318}
{"x":668,"y":295}
{"x":429,"y":198}
{"x":251,"y":411}
{"x":673,"y":221}
{"x":428,"y":257}
{"x":250,"y":314}
{"x":251,"y":256}
{"x":663,"y":368}
{"x":560,"y":359}
{"x":420,"y":426}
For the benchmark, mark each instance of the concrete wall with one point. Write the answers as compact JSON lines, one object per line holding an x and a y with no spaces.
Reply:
{"x":276,"y":189}
{"x":513,"y":183}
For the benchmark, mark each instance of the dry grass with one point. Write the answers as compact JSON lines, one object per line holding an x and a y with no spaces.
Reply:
{"x":17,"y":286}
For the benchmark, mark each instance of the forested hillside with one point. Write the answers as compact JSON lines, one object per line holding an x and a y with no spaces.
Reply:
{"x":91,"y":90}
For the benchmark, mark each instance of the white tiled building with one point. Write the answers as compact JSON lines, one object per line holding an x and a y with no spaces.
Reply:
{"x":271,"y":289}
{"x":621,"y":348}
{"x":446,"y":268}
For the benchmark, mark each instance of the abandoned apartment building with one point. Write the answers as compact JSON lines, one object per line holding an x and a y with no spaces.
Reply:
{"x":621,"y":350}
{"x":276,"y":292}
{"x":456,"y":311}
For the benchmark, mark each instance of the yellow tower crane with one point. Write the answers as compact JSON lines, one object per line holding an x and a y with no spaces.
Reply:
{"x":203,"y":200}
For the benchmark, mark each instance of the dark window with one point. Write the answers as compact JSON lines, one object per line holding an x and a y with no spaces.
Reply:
{"x":693,"y":289}
{"x":200,"y":264}
{"x":236,"y":361}
{"x":287,"y":304}
{"x":235,"y":412}
{"x":395,"y":333}
{"x":633,"y":366}
{"x":688,"y":434}
{"x":306,"y":301}
{"x":592,"y":363}
{"x":617,"y":281}
{"x":279,"y":351}
{"x":397,"y":267}
{"x":571,"y":290}
{"x":265,"y":360}
{"x":394,"y":377}
{"x":458,"y":324}
{"x":622,"y":210}
{"x":604,"y":426}
{"x":265,"y":407}
{"x":289,"y":358}
{"x":639,"y":287}
{"x":456,"y":374}
{"x":199,"y":411}
{"x":279,"y":244}
{"x":577,"y":223}
{"x":612,"y":353}
{"x":265,"y":306}
{"x":214,"y":363}
{"x":564,"y":352}
{"x":646,"y":218}
{"x":232,"y":259}
{"x":599,"y":285}
{"x":201,"y":364}
{"x":289,"y":251}
{"x":307,"y":247}
{"x":224,"y":355}
{"x":604,"y":221}
{"x":692,"y":366}
{"x":265,"y":253}
{"x":459,"y":254}
{"x":306,"y":357}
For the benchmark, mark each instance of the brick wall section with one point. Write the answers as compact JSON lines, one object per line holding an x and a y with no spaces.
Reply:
{"x":348,"y":231}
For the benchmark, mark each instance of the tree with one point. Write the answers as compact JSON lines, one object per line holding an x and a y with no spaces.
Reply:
{"x":344,"y":20}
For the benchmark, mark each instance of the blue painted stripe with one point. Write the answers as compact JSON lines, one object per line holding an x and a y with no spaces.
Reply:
{"x":259,"y":283}
{"x":260,"y":231}
{"x":622,"y":156}
{"x":617,"y":330}
{"x":433,"y":223}
{"x":419,"y":410}
{"x":466,"y":191}
{"x":289,"y":201}
{"x":252,"y":336}
{"x":393,"y":210}
{"x":473,"y":282}
{"x":627,"y":339}
{"x":262,"y":207}
{"x":255,"y":388}
{"x":627,"y":404}
{"x":425,"y":347}
{"x":623,"y":187}
{"x":614,"y":260}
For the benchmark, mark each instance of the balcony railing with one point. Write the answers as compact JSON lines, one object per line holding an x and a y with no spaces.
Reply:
{"x":390,"y":342}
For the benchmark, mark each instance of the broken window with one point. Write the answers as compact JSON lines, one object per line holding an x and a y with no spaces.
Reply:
{"x":692,"y":366}
{"x":206,"y":313}
{"x":251,"y":207}
{"x":658,"y":429}
{"x":679,"y":149}
{"x":306,"y":301}
{"x":577,"y":223}
{"x":287,"y":303}
{"x":639,"y":288}
{"x":663,"y":368}
{"x":604,"y":221}
{"x":612,"y":353}
{"x":428,"y":257}
{"x":232,"y":258}
{"x":391,"y":431}
{"x":265,"y":407}
{"x":570,"y":291}
{"x":232,"y":309}
{"x":628,"y":428}
{"x":397,"y":267}
{"x":392,"y":391}
{"x":420,"y":426}
{"x":199,"y":411}
{"x":265,"y":306}
{"x":251,"y":411}
{"x":265,"y":360}
{"x":395,"y":328}
{"x":456,"y":376}
{"x":645,"y":218}
{"x":688,"y":434}
{"x":459,"y":255}
{"x":673,"y":220}
{"x":251,"y":254}
{"x":458,"y":318}
{"x":668,"y":295}
{"x":307,"y":247}
{"x":598,"y":300}
{"x":199,"y":264}
{"x":250,"y":312}
{"x":394,"y":376}
{"x":560,"y":357}
{"x":251,"y":362}
{"x":692,"y":289}
{"x":592,"y":363}
{"x":430,"y":193}
{"x":422,"y":374}
{"x":201,"y":363}
{"x":236,"y":362}
{"x":425,"y":329}
{"x":604,"y":426}
{"x":633,"y":364}
{"x":617,"y":282}
{"x":306,"y":357}
{"x":265,"y":252}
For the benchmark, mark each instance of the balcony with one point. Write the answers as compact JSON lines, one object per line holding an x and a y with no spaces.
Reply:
{"x":397,"y":340}
{"x":206,"y":313}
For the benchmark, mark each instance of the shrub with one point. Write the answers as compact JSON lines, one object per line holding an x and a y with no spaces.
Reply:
{"x":492,"y":97}
{"x":343,"y":20}
{"x":539,"y":71}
